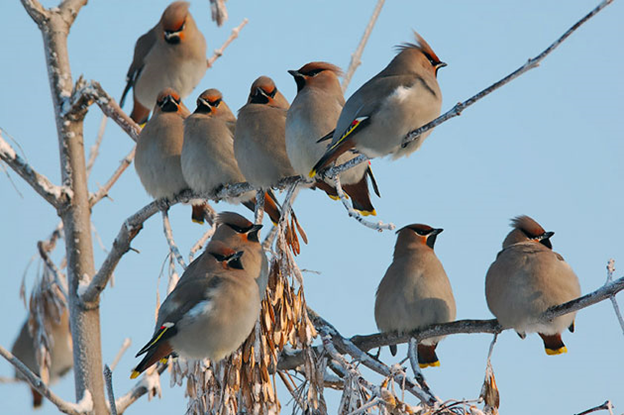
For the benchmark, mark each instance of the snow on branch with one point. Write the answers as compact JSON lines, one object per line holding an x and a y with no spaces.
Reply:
{"x":379,"y":226}
{"x":149,"y":384}
{"x":36,"y":11}
{"x":357,"y":55}
{"x":87,"y":93}
{"x":530,"y":64}
{"x":35,"y":381}
{"x":57,"y":196}
{"x":219,"y":52}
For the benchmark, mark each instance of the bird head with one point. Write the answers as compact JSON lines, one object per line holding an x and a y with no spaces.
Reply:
{"x":225,"y":255}
{"x":526,"y":229}
{"x":320,"y":74}
{"x":424,"y":234}
{"x":168,"y":101}
{"x":425,"y":56}
{"x":173,"y":22}
{"x":228,"y":222}
{"x":263,"y":91}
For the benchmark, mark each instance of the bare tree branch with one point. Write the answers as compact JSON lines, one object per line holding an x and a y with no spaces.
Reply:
{"x":55,"y":195}
{"x":531,"y":63}
{"x":616,"y":307}
{"x":87,"y":93}
{"x":124,"y":346}
{"x":379,"y":226}
{"x":36,"y":382}
{"x":36,"y":11}
{"x":219,"y":52}
{"x":94,"y":150}
{"x":169,"y":236}
{"x":69,"y":10}
{"x":149,"y":383}
{"x":218,"y":11}
{"x":103,"y":191}
{"x":606,"y":406}
{"x":108,"y":378}
{"x":357,"y":55}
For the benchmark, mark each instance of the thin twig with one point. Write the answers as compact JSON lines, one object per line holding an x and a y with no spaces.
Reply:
{"x":37,"y":384}
{"x":124,"y":346}
{"x":149,"y":383}
{"x":59,"y":278}
{"x":103,"y":190}
{"x":219,"y":52}
{"x":108,"y":379}
{"x":36,"y":11}
{"x":357,"y":55}
{"x":259,"y":209}
{"x":94,"y":150}
{"x":201,"y":242}
{"x":418,"y":375}
{"x":531,"y":63}
{"x":379,"y":226}
{"x":169,"y":236}
{"x":57,"y":196}
{"x":607,"y":406}
{"x":616,"y":307}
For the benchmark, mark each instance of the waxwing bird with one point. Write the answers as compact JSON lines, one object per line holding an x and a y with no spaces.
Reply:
{"x":157,"y":158}
{"x":208,"y":314}
{"x":526,"y":279}
{"x":240,"y":234}
{"x":415,"y":291}
{"x":402,"y":97}
{"x":61,"y":353}
{"x":314,"y":113}
{"x":171,"y":55}
{"x":207,"y":158}
{"x":259,"y":141}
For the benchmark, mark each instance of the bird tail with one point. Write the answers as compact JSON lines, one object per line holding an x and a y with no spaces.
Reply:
{"x":332,"y":154}
{"x":37,"y":398}
{"x":327,"y":188}
{"x":198,"y":215}
{"x":139,"y":113}
{"x":360,"y":196}
{"x":393,"y":349}
{"x":158,"y":348}
{"x":553,"y":344}
{"x":427,"y":356}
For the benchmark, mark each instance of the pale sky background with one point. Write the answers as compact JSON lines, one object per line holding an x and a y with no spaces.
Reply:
{"x":549,"y":145}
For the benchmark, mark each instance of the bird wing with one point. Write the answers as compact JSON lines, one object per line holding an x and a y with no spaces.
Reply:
{"x":142,"y":47}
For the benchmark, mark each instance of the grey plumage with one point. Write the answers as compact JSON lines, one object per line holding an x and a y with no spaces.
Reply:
{"x":526,"y":279}
{"x":259,"y":141}
{"x":157,"y":158}
{"x":415,"y":291}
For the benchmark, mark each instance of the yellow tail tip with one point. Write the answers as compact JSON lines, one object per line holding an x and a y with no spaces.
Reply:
{"x":164,"y":360}
{"x":368,"y":213}
{"x":553,"y":352}
{"x":198,"y":221}
{"x":432,"y":364}
{"x":312,"y":173}
{"x":333,"y":197}
{"x":135,"y":374}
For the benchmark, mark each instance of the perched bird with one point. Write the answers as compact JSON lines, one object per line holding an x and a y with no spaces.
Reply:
{"x":314,"y":113}
{"x":171,"y":55}
{"x":61,"y":353}
{"x":415,"y":291}
{"x":209,"y":313}
{"x":240,"y":234}
{"x":402,"y":97}
{"x":526,"y":279}
{"x":207,"y":158}
{"x":157,"y":158}
{"x":259,"y":141}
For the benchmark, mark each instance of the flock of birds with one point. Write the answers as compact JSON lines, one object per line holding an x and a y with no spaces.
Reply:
{"x":217,"y":300}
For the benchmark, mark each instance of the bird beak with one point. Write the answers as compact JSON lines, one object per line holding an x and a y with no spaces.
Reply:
{"x":437,"y":231}
{"x":441,"y":65}
{"x":548,"y":235}
{"x":252,"y":235}
{"x":294,"y":73}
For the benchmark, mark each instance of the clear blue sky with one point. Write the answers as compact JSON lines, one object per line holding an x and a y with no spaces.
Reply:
{"x":549,"y":145}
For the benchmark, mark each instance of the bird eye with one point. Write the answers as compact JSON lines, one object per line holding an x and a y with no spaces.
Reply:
{"x":314,"y":72}
{"x":215,"y":103}
{"x":272,"y":93}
